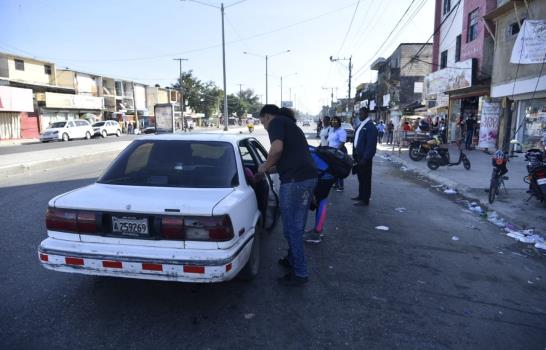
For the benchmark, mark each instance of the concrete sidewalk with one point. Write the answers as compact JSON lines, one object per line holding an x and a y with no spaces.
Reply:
{"x":512,"y":205}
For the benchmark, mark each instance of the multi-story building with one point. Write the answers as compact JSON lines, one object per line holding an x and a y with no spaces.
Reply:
{"x":462,"y":62}
{"x":519,"y":75}
{"x":400,"y":80}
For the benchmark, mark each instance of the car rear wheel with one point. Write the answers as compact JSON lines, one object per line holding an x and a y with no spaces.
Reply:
{"x":252,"y":266}
{"x":118,"y":133}
{"x":65,"y":137}
{"x":87,"y":135}
{"x":104,"y":134}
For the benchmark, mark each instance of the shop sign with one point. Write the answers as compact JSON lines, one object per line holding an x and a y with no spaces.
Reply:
{"x":530,"y":45}
{"x":55,"y":100}
{"x":455,"y":77}
{"x":16,"y":99}
{"x":386,"y":100}
{"x":489,"y":124}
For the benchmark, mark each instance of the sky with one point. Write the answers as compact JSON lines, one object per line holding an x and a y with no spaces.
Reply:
{"x":138,"y":39}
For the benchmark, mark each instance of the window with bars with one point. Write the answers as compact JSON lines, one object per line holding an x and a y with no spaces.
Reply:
{"x":473,"y":25}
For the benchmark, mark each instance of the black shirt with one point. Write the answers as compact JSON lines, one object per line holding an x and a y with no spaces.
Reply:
{"x":295,"y":163}
{"x":470,"y":123}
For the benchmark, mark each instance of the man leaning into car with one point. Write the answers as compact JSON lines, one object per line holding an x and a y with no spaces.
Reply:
{"x":290,"y":155}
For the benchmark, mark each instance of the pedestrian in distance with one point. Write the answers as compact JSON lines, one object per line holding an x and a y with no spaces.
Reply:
{"x":364,"y":148}
{"x":319,"y":203}
{"x":390,"y":132}
{"x":470,"y":124}
{"x":336,"y":139}
{"x":289,"y":154}
{"x":325,"y":131}
{"x":380,"y":131}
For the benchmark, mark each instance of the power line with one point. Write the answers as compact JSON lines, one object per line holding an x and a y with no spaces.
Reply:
{"x":348,"y":29}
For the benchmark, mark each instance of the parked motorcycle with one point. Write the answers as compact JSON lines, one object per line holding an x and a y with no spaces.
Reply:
{"x":440,"y":157}
{"x":536,"y":177}
{"x":419,"y":149}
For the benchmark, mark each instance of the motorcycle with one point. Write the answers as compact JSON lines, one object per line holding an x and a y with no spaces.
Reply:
{"x":419,"y":149}
{"x":440,"y":157}
{"x":536,"y":177}
{"x":250,"y":128}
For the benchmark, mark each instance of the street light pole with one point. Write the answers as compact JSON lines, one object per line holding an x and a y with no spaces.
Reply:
{"x":182,"y":104}
{"x":350,"y":76}
{"x":267,"y":57}
{"x":266,"y":85}
{"x":226,"y":113}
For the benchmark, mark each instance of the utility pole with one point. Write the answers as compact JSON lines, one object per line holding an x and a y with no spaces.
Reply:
{"x":240,"y":89}
{"x":182,"y":104}
{"x":281,"y":92}
{"x":350,"y":76}
{"x":226,"y":112}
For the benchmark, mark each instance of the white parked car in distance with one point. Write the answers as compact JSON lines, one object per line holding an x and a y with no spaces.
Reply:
{"x":67,"y":130}
{"x":105,"y":128}
{"x":178,"y":208}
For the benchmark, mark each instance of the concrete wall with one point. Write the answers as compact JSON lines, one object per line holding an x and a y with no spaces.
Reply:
{"x":415,"y":68}
{"x":34,"y":71}
{"x":66,"y":78}
{"x":4,"y":70}
{"x":504,"y":72}
{"x":452,"y":27}
{"x":475,"y":48}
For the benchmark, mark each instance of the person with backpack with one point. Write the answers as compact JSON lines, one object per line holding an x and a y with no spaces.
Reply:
{"x":336,"y":139}
{"x":319,"y":202}
{"x":289,"y":154}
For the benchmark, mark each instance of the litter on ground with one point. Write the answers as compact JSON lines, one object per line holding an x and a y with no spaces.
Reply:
{"x":450,"y":191}
{"x":455,"y":238}
{"x":382,"y":228}
{"x":493,"y":218}
{"x":401,"y":210}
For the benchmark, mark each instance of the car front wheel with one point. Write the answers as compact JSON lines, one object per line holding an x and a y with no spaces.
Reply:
{"x":118,"y":133}
{"x":87,"y":135}
{"x":65,"y":137}
{"x":103,"y":134}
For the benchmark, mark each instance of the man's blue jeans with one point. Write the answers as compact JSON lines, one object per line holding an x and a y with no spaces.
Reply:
{"x":295,"y":198}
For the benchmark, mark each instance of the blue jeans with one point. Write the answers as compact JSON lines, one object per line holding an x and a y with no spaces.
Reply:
{"x":295,"y":198}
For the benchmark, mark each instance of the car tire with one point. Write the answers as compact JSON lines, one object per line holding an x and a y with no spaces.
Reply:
{"x":252,"y":266}
{"x":65,"y":137}
{"x":118,"y":133}
{"x":87,"y":135}
{"x":103,"y":134}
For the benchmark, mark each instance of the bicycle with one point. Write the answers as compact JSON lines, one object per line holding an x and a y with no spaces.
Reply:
{"x":497,"y":176}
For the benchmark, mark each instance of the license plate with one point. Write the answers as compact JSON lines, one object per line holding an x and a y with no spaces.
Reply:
{"x":130,"y":226}
{"x":541,"y":181}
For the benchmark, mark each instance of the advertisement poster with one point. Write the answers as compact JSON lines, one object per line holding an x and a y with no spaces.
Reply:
{"x":164,"y":118}
{"x":530,"y":46}
{"x":489,"y":124}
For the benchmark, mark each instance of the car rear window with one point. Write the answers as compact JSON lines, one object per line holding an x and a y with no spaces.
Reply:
{"x":174,"y":163}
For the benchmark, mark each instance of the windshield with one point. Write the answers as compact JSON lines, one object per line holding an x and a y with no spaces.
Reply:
{"x":98,"y":124}
{"x":57,"y":125}
{"x":174,"y":163}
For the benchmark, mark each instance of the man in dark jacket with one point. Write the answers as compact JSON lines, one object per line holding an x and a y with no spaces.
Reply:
{"x":363,"y":153}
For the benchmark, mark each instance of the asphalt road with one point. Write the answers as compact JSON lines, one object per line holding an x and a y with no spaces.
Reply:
{"x":39,"y":146}
{"x":411,"y":287}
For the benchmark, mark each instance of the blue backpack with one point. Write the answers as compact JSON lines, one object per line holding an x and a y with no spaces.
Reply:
{"x":332,"y":161}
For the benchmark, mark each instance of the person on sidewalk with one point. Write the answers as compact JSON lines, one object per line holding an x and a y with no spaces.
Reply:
{"x":319,"y":202}
{"x":470,"y":124}
{"x":336,"y":139}
{"x":325,"y":131}
{"x":289,"y":153}
{"x":380,"y":131}
{"x":390,"y":133}
{"x":363,"y":152}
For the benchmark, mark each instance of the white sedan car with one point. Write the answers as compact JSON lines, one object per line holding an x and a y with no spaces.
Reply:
{"x":107,"y":127}
{"x":169,"y":207}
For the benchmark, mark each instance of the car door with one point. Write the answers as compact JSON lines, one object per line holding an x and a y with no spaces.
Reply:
{"x":72,"y":129}
{"x":110,"y":127}
{"x":273,"y":209}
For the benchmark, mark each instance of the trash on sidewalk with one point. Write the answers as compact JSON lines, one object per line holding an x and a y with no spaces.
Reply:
{"x":475,"y":207}
{"x":455,"y":238}
{"x":386,"y":156}
{"x":540,"y":245}
{"x":249,"y":316}
{"x":494,"y":218}
{"x":526,"y":236}
{"x":382,"y":228}
{"x":401,"y":210}
{"x":450,"y":191}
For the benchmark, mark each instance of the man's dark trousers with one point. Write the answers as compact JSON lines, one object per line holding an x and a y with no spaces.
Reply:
{"x":364,"y":174}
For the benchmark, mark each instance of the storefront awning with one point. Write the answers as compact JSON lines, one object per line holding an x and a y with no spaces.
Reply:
{"x":472,"y":91}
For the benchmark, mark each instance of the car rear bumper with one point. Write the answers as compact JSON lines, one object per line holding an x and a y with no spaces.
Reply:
{"x":154,"y":263}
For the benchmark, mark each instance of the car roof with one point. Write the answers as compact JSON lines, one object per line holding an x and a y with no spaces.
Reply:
{"x":193,"y":136}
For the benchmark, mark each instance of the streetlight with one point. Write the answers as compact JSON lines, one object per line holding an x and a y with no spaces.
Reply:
{"x":222,"y":7}
{"x":332,"y":59}
{"x":267,"y":57}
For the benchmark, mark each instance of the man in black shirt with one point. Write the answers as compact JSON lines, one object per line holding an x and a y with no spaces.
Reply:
{"x":289,"y":153}
{"x":470,"y":125}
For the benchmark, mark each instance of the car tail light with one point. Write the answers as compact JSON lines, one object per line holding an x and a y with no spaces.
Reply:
{"x":215,"y":228}
{"x":172,"y":227}
{"x":71,"y":220}
{"x":61,"y":220}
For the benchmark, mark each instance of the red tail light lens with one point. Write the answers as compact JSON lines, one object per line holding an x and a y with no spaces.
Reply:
{"x":61,"y":220}
{"x":215,"y":228}
{"x":172,"y":227}
{"x":71,"y":220}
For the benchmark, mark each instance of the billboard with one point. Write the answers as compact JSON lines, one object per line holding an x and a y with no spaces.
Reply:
{"x":164,"y":118}
{"x":530,"y":45}
{"x":454,"y":77}
{"x":16,"y":99}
